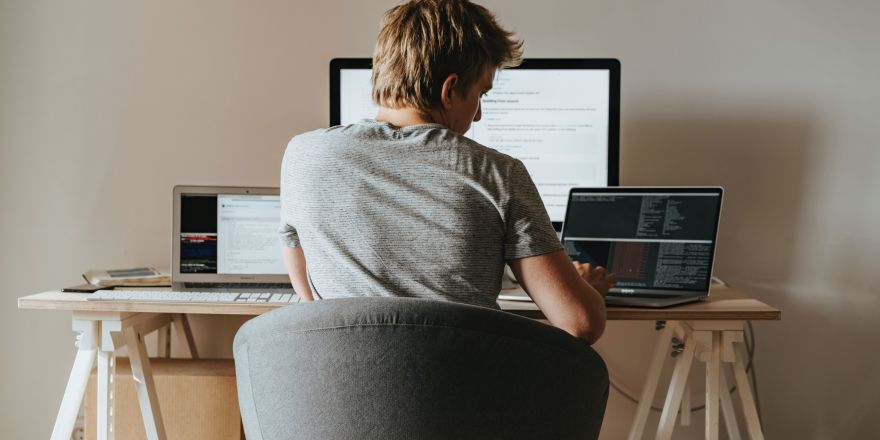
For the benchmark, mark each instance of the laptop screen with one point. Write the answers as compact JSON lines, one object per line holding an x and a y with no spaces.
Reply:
{"x":656,"y":240}
{"x":232,"y":234}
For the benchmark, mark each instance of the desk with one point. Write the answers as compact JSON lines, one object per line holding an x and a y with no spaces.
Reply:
{"x":710,"y":331}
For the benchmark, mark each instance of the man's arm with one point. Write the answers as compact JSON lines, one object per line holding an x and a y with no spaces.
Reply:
{"x":295,"y":263}
{"x":566,"y":299}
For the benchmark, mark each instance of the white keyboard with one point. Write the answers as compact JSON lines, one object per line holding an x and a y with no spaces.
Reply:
{"x":190,"y":297}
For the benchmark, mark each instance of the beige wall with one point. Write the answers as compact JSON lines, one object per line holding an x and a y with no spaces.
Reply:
{"x":105,"y":105}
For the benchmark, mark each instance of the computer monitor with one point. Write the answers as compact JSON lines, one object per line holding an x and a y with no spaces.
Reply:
{"x":560,"y":117}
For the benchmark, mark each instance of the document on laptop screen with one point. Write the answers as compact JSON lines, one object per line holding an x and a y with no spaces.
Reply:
{"x":247,"y":235}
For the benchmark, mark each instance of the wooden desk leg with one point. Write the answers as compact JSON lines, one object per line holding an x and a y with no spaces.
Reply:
{"x":111,"y":340}
{"x":750,"y":413}
{"x":727,"y":409}
{"x":686,"y":405}
{"x":163,"y":342}
{"x":79,"y":379}
{"x":713,"y":384}
{"x":676,"y":390}
{"x":106,"y":378}
{"x":184,"y":333}
{"x":146,"y":389}
{"x":650,"y":388}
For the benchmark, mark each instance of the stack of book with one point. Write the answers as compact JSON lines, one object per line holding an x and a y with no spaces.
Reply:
{"x":136,"y":277}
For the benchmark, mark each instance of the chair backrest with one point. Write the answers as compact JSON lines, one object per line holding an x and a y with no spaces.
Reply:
{"x":404,"y":368}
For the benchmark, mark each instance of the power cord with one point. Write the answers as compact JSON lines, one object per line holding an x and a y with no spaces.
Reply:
{"x":750,"y":370}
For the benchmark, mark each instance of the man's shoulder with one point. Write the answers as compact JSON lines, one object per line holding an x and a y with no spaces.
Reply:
{"x":489,"y":152}
{"x":366,"y":133}
{"x":470,"y":147}
{"x":321,"y":135}
{"x":491,"y":158}
{"x":338,"y":135}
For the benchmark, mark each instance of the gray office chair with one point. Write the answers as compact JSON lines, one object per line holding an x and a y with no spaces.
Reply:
{"x":404,"y":368}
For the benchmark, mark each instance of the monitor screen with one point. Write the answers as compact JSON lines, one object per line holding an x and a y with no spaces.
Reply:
{"x":560,"y":117}
{"x":657,"y":239}
{"x":231,"y":234}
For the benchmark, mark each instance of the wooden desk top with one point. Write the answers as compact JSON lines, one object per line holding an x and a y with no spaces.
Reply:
{"x":723,"y":304}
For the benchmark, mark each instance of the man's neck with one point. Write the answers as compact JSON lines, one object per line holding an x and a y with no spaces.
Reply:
{"x":402,"y":117}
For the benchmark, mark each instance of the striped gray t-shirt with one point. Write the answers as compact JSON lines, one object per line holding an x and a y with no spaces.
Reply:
{"x":418,"y":211}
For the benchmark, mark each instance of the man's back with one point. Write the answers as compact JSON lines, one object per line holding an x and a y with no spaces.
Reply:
{"x":418,"y":211}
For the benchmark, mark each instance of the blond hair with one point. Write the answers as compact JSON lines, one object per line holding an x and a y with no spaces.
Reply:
{"x":422,"y":42}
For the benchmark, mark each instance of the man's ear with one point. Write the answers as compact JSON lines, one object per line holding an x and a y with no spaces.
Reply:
{"x":450,"y":86}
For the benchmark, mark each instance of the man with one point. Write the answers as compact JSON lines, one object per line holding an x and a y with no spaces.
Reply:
{"x":405,"y":205}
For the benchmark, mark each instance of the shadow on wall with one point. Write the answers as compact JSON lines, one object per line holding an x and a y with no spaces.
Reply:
{"x":759,"y":159}
{"x":816,"y":367}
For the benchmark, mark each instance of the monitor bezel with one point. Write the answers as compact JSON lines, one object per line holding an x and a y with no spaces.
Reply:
{"x":612,"y":65}
{"x":630,"y":190}
{"x":176,"y":275}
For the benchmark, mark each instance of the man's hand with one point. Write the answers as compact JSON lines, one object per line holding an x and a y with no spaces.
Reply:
{"x":567,"y":300}
{"x":295,"y":263}
{"x":595,"y":276}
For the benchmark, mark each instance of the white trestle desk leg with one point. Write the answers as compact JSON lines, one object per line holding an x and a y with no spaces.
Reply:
{"x":163,"y":342}
{"x":713,"y":383}
{"x":184,"y":333}
{"x":146,"y":389}
{"x":686,"y":405}
{"x":676,"y":389}
{"x":745,"y":394}
{"x":79,"y":379}
{"x":106,"y":378}
{"x":727,"y":409}
{"x":111,"y":340}
{"x":650,"y":388}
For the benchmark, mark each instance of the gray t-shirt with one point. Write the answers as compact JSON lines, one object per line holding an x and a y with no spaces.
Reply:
{"x":418,"y":211}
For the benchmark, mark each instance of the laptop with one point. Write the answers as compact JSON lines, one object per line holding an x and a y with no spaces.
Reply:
{"x":660,"y":241}
{"x":225,"y":239}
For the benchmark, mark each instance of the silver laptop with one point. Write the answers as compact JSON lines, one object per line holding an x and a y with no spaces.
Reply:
{"x":660,"y":241}
{"x":225,"y":239}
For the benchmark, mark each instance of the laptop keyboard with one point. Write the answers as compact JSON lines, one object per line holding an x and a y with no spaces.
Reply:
{"x":238,"y":285}
{"x":193,"y":297}
{"x":650,"y":296}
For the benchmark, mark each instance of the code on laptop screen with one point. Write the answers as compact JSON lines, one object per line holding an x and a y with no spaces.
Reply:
{"x":649,"y":240}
